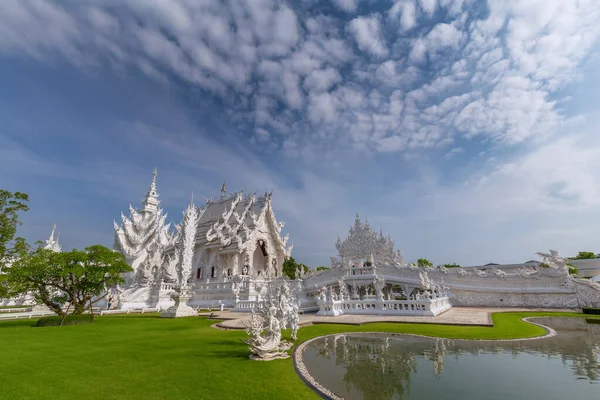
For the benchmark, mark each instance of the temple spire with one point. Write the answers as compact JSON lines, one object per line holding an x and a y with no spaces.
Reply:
{"x":151,"y":201}
{"x":223,"y":189}
{"x":52,"y":243}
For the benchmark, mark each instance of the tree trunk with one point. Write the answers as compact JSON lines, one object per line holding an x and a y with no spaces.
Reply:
{"x":78,"y":308}
{"x":91,"y":311}
{"x":62,"y":320}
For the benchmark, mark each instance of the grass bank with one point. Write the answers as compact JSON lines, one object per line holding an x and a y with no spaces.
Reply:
{"x":146,"y":357}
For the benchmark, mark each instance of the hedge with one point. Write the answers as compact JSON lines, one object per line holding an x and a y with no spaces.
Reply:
{"x":595,"y":311}
{"x":69,"y":320}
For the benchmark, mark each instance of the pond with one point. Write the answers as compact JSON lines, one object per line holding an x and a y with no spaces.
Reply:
{"x":363,"y":366}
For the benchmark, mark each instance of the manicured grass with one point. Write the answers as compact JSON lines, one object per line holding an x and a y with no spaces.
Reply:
{"x":146,"y":357}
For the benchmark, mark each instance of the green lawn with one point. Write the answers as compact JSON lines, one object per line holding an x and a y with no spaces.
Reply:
{"x":146,"y":357}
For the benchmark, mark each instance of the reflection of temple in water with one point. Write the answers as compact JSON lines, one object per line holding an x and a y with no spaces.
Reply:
{"x":371,"y":368}
{"x":381,"y":367}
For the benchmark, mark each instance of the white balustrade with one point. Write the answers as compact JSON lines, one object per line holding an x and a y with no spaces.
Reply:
{"x":424,"y":307}
{"x":245,"y":305}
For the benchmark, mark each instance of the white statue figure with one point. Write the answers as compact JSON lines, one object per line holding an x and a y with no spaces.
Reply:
{"x":443,"y":289}
{"x":289,"y":307}
{"x":236,"y":287}
{"x":354,"y":292}
{"x":554,"y":261}
{"x":143,"y":236}
{"x":322,"y":295}
{"x":344,"y":294}
{"x":379,"y":285}
{"x":185,"y":244}
{"x":332,"y":294}
{"x":425,"y":281}
{"x":264,"y":329}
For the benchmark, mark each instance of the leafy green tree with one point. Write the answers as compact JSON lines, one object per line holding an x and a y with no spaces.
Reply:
{"x":584,"y":255}
{"x":78,"y":278}
{"x":11,"y":204}
{"x":453,"y":265}
{"x":290,"y":266}
{"x":322,"y":268}
{"x":423,"y":262}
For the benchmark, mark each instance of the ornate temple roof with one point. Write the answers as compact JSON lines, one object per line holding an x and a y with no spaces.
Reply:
{"x":227,"y":222}
{"x":234,"y":213}
{"x":364,"y":243}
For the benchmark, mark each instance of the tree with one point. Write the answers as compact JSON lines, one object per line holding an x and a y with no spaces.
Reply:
{"x":453,"y":265}
{"x":423,"y":263}
{"x":584,"y":255}
{"x":322,"y":268}
{"x":11,"y":204}
{"x":290,"y":266}
{"x":78,"y":278}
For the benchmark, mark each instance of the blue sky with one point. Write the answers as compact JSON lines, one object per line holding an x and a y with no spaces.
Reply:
{"x":468,"y":130}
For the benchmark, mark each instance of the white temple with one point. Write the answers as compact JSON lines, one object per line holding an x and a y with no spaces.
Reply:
{"x":237,"y":248}
{"x":230,"y":251}
{"x":52,"y":243}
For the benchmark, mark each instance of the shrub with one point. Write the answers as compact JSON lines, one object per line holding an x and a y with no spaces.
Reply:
{"x":69,"y":320}
{"x":595,"y":311}
{"x":453,"y":265}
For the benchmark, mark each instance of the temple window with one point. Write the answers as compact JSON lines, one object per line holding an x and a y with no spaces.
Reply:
{"x":213,"y":272}
{"x":199,"y":273}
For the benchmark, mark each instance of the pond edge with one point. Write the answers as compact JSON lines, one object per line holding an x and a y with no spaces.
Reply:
{"x":325,"y":393}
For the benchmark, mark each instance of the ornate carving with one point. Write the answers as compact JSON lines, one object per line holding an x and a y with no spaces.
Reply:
{"x":144,"y":238}
{"x":363,"y":243}
{"x":52,"y":243}
{"x":185,"y":245}
{"x":278,"y":311}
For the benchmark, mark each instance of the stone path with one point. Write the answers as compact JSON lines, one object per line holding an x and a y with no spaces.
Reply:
{"x":454,"y":316}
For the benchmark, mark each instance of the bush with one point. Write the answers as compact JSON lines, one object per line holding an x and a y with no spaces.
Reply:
{"x":595,"y":311}
{"x":453,"y":265}
{"x":69,"y":320}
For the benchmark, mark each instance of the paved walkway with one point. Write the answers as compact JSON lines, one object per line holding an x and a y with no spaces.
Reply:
{"x":454,"y":316}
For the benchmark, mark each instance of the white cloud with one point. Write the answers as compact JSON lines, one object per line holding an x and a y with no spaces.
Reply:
{"x":428,"y":6}
{"x":347,"y":5}
{"x":322,"y":79}
{"x":407,"y":11}
{"x":267,"y":61}
{"x":367,"y":33}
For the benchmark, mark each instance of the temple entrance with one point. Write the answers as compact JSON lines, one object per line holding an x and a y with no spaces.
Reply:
{"x":259,"y":259}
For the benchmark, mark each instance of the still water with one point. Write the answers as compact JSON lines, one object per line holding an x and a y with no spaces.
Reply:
{"x":566,"y":366}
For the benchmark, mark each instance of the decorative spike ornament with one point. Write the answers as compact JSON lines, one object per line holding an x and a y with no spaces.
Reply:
{"x":185,"y":247}
{"x":52,"y":243}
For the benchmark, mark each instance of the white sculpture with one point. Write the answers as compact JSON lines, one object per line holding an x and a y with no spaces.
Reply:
{"x":289,"y":310}
{"x":276,"y":312}
{"x":143,"y":238}
{"x":379,"y":285}
{"x":185,"y":245}
{"x":322,"y":295}
{"x":344,"y":294}
{"x":52,"y":243}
